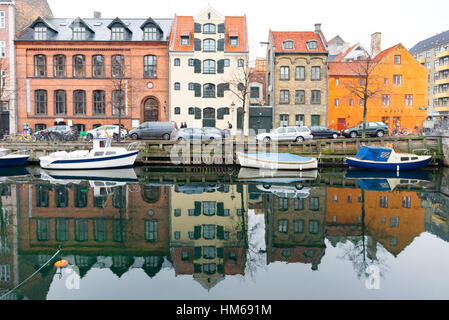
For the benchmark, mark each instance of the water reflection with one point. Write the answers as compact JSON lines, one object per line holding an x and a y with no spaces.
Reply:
{"x":202,"y":224}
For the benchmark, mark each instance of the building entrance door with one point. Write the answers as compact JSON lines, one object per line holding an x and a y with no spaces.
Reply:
{"x":151,"y":110}
{"x":4,"y":123}
{"x":209,"y":117}
{"x":341,"y":124}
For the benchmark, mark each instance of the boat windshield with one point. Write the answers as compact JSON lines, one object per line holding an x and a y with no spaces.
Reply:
{"x":374,"y":154}
{"x":4,"y":152}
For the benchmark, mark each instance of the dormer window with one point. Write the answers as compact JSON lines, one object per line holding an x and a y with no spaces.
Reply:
{"x":149,"y":34}
{"x":118,"y":33}
{"x":209,"y":28}
{"x":185,"y":41}
{"x":233,"y":41}
{"x":312,"y":45}
{"x":40,"y":33}
{"x":288,"y":45}
{"x":79,"y":33}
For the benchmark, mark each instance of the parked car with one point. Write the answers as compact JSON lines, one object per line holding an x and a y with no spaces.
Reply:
{"x":57,"y":133}
{"x":373,"y":129}
{"x":224,"y":133}
{"x":297,"y":134}
{"x":203,"y":134}
{"x":101,"y":133}
{"x":155,"y":130}
{"x":319,"y":132}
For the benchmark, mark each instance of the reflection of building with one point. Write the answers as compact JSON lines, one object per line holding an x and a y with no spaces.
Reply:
{"x":392,"y":218}
{"x":437,"y":214}
{"x":208,"y":226}
{"x":122,"y":223}
{"x":296,"y":228}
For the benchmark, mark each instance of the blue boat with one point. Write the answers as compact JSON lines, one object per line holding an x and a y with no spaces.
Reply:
{"x":378,"y":158}
{"x":12,"y":159}
{"x":388,"y":180}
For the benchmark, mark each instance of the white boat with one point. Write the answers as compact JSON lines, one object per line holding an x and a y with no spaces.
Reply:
{"x":119,"y":175}
{"x":9,"y":158}
{"x":102,"y":156}
{"x":275,"y":176}
{"x":276,"y":161}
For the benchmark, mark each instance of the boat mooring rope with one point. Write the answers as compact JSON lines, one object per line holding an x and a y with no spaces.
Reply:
{"x":20,"y":284}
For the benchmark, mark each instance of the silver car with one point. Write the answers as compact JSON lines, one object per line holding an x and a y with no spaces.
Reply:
{"x":196,"y":134}
{"x":296,"y":134}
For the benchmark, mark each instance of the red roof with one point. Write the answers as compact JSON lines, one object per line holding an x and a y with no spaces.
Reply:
{"x":299,"y":39}
{"x":342,"y":55}
{"x":352,"y":68}
{"x":236,"y":27}
{"x":180,"y":25}
{"x":384,"y":53}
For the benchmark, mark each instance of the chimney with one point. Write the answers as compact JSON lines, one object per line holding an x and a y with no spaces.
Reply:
{"x":376,"y":44}
{"x":97,"y":14}
{"x":317,"y":27}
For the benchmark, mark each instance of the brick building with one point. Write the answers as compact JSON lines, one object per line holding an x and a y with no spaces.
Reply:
{"x":297,"y":80}
{"x":87,"y":72}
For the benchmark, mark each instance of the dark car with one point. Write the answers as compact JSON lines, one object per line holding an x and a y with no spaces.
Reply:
{"x":373,"y":129}
{"x":324,"y":133}
{"x":203,"y":134}
{"x":153,"y":130}
{"x":58,"y":133}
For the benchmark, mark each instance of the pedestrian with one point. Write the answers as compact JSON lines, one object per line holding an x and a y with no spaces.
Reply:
{"x":229,"y":125}
{"x":185,"y":124}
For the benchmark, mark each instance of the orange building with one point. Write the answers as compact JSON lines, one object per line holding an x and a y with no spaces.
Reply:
{"x":399,"y":81}
{"x":85,"y":72}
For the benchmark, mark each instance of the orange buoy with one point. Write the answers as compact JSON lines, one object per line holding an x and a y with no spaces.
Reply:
{"x":61,"y":263}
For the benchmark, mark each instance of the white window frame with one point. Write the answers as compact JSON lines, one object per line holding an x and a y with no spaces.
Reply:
{"x":2,"y":20}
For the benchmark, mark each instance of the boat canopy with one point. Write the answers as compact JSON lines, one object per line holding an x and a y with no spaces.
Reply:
{"x":374,"y":154}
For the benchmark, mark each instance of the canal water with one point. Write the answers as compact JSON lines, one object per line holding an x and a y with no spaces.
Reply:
{"x":224,"y":233}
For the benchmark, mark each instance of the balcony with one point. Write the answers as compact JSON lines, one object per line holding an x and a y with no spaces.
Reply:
{"x":441,"y":81}
{"x":440,"y":95}
{"x":442,"y":67}
{"x":442,"y":54}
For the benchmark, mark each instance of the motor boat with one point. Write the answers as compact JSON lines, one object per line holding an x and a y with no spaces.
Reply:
{"x":119,"y":175}
{"x":9,"y":158}
{"x":276,"y":161}
{"x":275,"y":176}
{"x":102,"y":156}
{"x":379,"y":158}
{"x":388,"y":180}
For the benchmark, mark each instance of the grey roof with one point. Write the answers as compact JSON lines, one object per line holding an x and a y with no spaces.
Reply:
{"x":332,"y":57}
{"x":432,"y":42}
{"x":63,"y":29}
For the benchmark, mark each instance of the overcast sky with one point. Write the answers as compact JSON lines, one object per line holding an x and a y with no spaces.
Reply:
{"x":400,"y":21}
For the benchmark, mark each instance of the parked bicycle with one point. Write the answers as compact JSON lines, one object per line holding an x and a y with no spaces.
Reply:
{"x":400,"y":132}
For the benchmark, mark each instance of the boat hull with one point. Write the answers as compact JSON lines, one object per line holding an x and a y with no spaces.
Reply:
{"x":251,"y":161}
{"x":13,"y":161}
{"x":114,"y":162}
{"x":373,"y":165}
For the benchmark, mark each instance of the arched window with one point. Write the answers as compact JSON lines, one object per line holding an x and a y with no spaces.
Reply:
{"x":209,"y":90}
{"x":40,"y":101}
{"x":177,"y":62}
{"x":209,"y":45}
{"x":209,"y":66}
{"x":98,"y":66}
{"x":99,"y":102}
{"x":209,"y":28}
{"x":40,"y":65}
{"x":150,"y":64}
{"x":60,"y":102}
{"x":79,"y":102}
{"x":79,"y":64}
{"x":177,"y":110}
{"x":59,"y":65}
{"x":118,"y":66}
{"x":177,"y":86}
{"x":191,"y":110}
{"x":209,"y":113}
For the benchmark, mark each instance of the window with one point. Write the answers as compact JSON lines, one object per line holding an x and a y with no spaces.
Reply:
{"x":79,"y":102}
{"x":406,"y":202}
{"x":283,"y":120}
{"x":299,"y":121}
{"x":314,"y":226}
{"x":209,"y":90}
{"x":40,"y":65}
{"x":385,"y":80}
{"x":40,"y":33}
{"x":118,"y":33}
{"x":285,"y":97}
{"x":288,"y":45}
{"x":79,"y":63}
{"x":209,"y":252}
{"x":150,"y":65}
{"x":409,"y":100}
{"x":177,"y":86}
{"x":283,"y":225}
{"x":151,"y":231}
{"x":300,"y":73}
{"x":316,"y":97}
{"x":337,"y":82}
{"x":185,"y":41}
{"x":98,"y":66}
{"x":62,"y":229}
{"x":99,"y":102}
{"x":336,"y":102}
{"x":149,"y":34}
{"x":81,"y":230}
{"x":233,"y":41}
{"x":283,"y":202}
{"x":60,"y":102}
{"x":300,"y":97}
{"x":2,"y":49}
{"x":177,"y":110}
{"x":254,"y":92}
{"x":385,"y":99}
{"x":118,"y":66}
{"x":40,"y":97}
{"x":397,"y":79}
{"x":209,"y":67}
{"x":2,"y":20}
{"x":285,"y":73}
{"x":209,"y":231}
{"x":314,"y":203}
{"x":383,"y":202}
{"x":43,"y":229}
{"x":209,"y":208}
{"x":59,"y":66}
{"x":209,"y":268}
{"x":351,"y":102}
{"x":177,"y":62}
{"x":79,"y":33}
{"x":397,"y":59}
{"x":316,"y":73}
{"x":2,"y":83}
{"x":240,"y":63}
{"x":394,"y":222}
{"x":209,"y":45}
{"x":227,"y":62}
{"x":191,"y":62}
{"x":118,"y":102}
{"x":312,"y":45}
{"x":209,"y":28}
{"x":298,"y":226}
